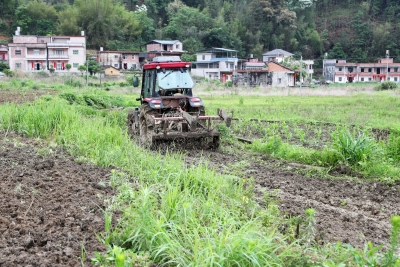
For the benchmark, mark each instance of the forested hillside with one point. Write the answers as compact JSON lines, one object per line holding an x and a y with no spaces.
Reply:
{"x":359,"y":30}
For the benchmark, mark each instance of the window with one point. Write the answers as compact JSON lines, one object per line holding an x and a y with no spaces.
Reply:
{"x":396,"y":69}
{"x":58,"y":66}
{"x":388,"y":69}
{"x":133,"y":56}
{"x":59,"y":52}
{"x":362,"y":79}
{"x":36,"y":52}
{"x":75,"y":52}
{"x":18,"y":65}
{"x":395,"y":79}
{"x":369,"y":79}
{"x":42,"y":41}
{"x":369,"y":69}
{"x":75,"y":65}
{"x":362,"y":69}
{"x":116,"y":56}
{"x":340,"y":79}
{"x":279,"y":80}
{"x":340,"y":68}
{"x":116,"y":66}
{"x":177,"y":46}
{"x":18,"y":52}
{"x":203,"y":57}
{"x":125,"y":57}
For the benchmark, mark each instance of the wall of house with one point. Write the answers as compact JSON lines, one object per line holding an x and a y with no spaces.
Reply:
{"x":282,"y":79}
{"x":129,"y":60}
{"x":17,"y":62}
{"x":206,"y":73}
{"x":204,"y":56}
{"x":110,"y":58}
{"x":154,"y":47}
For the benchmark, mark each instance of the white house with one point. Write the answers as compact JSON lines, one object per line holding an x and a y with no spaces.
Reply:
{"x":277,"y":55}
{"x":216,"y":63}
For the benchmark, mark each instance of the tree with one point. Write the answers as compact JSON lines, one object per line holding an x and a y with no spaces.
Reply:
{"x":93,"y":67}
{"x":82,"y":69}
{"x":337,"y":52}
{"x":102,"y":20}
{"x":188,"y":25}
{"x":188,"y":57}
{"x":36,"y":18}
{"x":68,"y":67}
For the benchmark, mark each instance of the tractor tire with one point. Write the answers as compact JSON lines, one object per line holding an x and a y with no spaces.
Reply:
{"x":133,"y":131}
{"x":145,"y":126}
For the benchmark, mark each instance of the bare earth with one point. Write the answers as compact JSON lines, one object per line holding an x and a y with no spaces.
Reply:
{"x":347,"y":211}
{"x":51,"y":205}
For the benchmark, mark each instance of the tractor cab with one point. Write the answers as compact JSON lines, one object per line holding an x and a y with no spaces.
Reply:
{"x":166,"y":77}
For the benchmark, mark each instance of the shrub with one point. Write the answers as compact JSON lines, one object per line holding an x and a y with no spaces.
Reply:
{"x":393,"y":147}
{"x":8,"y":72}
{"x":354,"y":150}
{"x":42,"y":74}
{"x":388,"y":85}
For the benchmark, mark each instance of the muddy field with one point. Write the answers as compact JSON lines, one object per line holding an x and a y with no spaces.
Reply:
{"x":347,"y":210}
{"x":51,"y":205}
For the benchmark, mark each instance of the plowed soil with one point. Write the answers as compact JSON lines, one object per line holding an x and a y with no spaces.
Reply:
{"x":347,"y":210}
{"x":50,"y":205}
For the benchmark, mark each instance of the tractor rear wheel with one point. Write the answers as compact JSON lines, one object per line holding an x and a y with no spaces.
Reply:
{"x":133,"y":130}
{"x":145,"y":125}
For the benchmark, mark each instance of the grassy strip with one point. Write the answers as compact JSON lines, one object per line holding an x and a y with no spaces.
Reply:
{"x":377,"y":111}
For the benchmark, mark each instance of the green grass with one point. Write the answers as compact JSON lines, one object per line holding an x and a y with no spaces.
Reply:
{"x":379,"y":110}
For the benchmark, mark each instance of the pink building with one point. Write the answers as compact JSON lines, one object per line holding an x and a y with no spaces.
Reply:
{"x":30,"y":53}
{"x":383,"y":70}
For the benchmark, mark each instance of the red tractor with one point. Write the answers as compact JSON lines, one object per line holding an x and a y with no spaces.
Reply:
{"x":169,"y":112}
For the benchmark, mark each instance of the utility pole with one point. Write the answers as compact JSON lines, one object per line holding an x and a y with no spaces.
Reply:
{"x":301,"y":63}
{"x":387,"y":64}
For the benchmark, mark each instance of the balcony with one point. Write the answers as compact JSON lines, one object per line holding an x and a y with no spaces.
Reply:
{"x":65,"y":44}
{"x":54,"y":56}
{"x":39,"y":57}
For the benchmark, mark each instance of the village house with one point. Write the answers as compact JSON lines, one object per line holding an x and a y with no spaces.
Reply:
{"x":157,"y":48}
{"x":251,"y":72}
{"x":328,"y":69}
{"x":29,"y":53}
{"x":3,"y":53}
{"x":215,"y":63}
{"x":281,"y":76}
{"x":383,"y":70}
{"x":122,"y":60}
{"x":110,"y":70}
{"x":279,"y":55}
